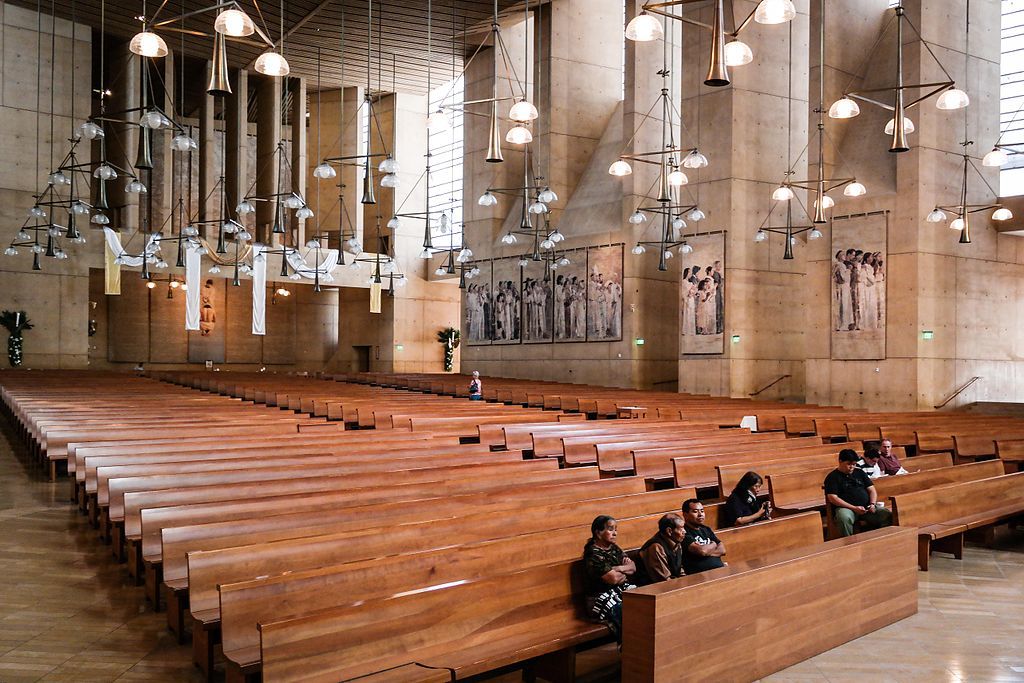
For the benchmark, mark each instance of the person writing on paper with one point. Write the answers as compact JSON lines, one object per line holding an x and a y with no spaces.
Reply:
{"x":853,"y":497}
{"x":476,"y":387}
{"x":742,"y":506}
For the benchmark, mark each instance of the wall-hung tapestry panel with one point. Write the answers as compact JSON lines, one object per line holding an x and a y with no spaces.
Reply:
{"x":702,"y":296}
{"x":538,"y":303}
{"x":477,"y":307}
{"x":857,"y":275}
{"x":604,"y":293}
{"x":571,"y":298}
{"x":209,"y":342}
{"x":507,"y":301}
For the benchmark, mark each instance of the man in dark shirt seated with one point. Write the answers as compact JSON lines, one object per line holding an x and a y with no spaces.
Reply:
{"x":853,"y":496}
{"x":701,"y":548}
{"x":662,"y":555}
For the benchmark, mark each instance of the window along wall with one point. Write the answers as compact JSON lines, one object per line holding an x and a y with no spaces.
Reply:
{"x":446,"y":150}
{"x":1011,"y":98}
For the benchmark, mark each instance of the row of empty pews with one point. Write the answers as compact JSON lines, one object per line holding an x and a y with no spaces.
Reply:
{"x":381,"y":527}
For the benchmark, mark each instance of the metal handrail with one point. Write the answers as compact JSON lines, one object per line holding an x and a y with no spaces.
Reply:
{"x":770,"y":385}
{"x":958,"y":391}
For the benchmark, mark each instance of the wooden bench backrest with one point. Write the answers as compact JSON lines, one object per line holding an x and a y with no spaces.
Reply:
{"x":888,"y":487}
{"x":744,"y":543}
{"x":936,"y":505}
{"x":729,"y":475}
{"x":699,"y":470}
{"x":1010,"y":451}
{"x":802,"y":588}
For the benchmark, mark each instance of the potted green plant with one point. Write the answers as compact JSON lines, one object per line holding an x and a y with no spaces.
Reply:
{"x":450,"y":337}
{"x":15,"y":322}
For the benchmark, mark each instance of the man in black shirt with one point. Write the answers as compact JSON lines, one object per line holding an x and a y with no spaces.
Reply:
{"x":701,"y":548}
{"x":853,"y":496}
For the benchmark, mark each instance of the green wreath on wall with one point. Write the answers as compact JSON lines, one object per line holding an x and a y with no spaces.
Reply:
{"x":450,"y":337}
{"x":15,"y":322}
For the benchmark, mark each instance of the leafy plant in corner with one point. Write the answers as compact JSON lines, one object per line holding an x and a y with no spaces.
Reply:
{"x":450,"y":337}
{"x":15,"y":322}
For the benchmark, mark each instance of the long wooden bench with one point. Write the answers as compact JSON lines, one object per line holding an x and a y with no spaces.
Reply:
{"x":1011,"y":453}
{"x":942,"y":515}
{"x":700,"y":470}
{"x":795,"y":620}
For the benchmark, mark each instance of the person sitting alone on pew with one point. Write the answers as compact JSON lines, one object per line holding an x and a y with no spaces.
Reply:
{"x":607,"y":572}
{"x":701,"y":548}
{"x":476,"y":387}
{"x":742,"y":507}
{"x":869,"y":463}
{"x":661,"y":557}
{"x":887,"y":460}
{"x":853,"y":497}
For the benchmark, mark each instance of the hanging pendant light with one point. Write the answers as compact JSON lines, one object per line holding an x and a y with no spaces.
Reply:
{"x":523,"y":111}
{"x":738,"y":53}
{"x":695,"y":160}
{"x":908,"y":126}
{"x":148,"y":44}
{"x":783,"y":194}
{"x":494,"y":137}
{"x":951,"y":99}
{"x":234,"y":23}
{"x":272,"y":63}
{"x":855,"y":189}
{"x":620,"y":168}
{"x":1002,"y":214}
{"x":438,"y":122}
{"x":219,"y":84}
{"x":324,"y":171}
{"x":718,"y":71}
{"x":519,"y":135}
{"x":368,"y":197}
{"x":644,"y":28}
{"x":996,"y":157}
{"x":774,"y":12}
{"x":844,"y":108}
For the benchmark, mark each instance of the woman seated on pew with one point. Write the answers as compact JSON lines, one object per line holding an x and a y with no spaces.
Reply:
{"x":476,"y":387}
{"x":606,"y":574}
{"x":742,"y":507}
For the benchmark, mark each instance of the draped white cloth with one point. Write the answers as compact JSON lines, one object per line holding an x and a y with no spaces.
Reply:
{"x":114,"y":242}
{"x":259,"y":289}
{"x":325,"y":267}
{"x":193,"y":276}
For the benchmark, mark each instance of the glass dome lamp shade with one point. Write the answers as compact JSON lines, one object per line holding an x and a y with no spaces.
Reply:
{"x":440,"y":271}
{"x":843,"y":108}
{"x":523,"y":262}
{"x":685,"y":249}
{"x":677,"y":178}
{"x":547,"y":244}
{"x":620,"y":168}
{"x":293,"y":201}
{"x":244,"y":235}
{"x":293,"y":276}
{"x":637,"y":218}
{"x":487,"y":199}
{"x":183,"y":143}
{"x":10,"y":251}
{"x":394,"y":223}
{"x":135,"y":187}
{"x":760,"y":236}
{"x":22,"y":235}
{"x":39,"y":249}
{"x":695,"y":160}
{"x":36,"y":212}
{"x":79,"y":208}
{"x":696,"y":215}
{"x":148,"y":44}
{"x":244,"y":208}
{"x":668,"y":254}
{"x":547,"y":195}
{"x":957,"y":224}
{"x":855,"y":189}
{"x":388,"y":268}
{"x":826,"y":202}
{"x":557,"y":236}
{"x":996,"y":157}
{"x":388,"y":165}
{"x":105,"y":172}
{"x":908,"y":125}
{"x":774,"y":12}
{"x":782,"y":194}
{"x":425,"y":254}
{"x":214,"y":270}
{"x":814,"y":234}
{"x":523,"y":111}
{"x":538,"y":208}
{"x":190,"y":231}
{"x":61,"y":254}
{"x":936,"y":216}
{"x":355,"y":245}
{"x":245,"y":268}
{"x":438,"y":122}
{"x":564,"y":261}
{"x":54,"y":231}
{"x":234,"y":23}
{"x":79,"y":240}
{"x":464,"y":256}
{"x":678,"y":223}
{"x":519,"y":135}
{"x":153,"y":120}
{"x":508,"y":238}
{"x":90,"y":131}
{"x":232,"y":227}
{"x":1002,"y":214}
{"x":272,"y":63}
{"x":954,"y":98}
{"x":58,"y":178}
{"x":313,"y":244}
{"x":324,"y":171}
{"x":99,"y":219}
{"x":638,"y":249}
{"x":644,"y":28}
{"x":304,"y":213}
{"x":390,"y":180}
{"x":475,"y":271}
{"x":738,"y":53}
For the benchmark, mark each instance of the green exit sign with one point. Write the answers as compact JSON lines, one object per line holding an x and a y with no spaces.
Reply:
{"x":927,"y":335}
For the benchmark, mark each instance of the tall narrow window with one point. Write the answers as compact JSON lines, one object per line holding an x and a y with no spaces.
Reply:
{"x":446,"y":163}
{"x":1011,"y":98}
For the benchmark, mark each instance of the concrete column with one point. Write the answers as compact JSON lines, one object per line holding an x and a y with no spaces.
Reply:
{"x":209,"y":170}
{"x":300,"y":155}
{"x":268,"y":136}
{"x":161,"y":192}
{"x":121,"y":138}
{"x":236,"y":142}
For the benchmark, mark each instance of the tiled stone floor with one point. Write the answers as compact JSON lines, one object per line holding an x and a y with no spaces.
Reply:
{"x":67,"y":612}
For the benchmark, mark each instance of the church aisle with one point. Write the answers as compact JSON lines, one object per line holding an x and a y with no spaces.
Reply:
{"x":67,"y":612}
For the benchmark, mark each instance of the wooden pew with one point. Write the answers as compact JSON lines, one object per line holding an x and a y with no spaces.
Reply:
{"x":700,"y":470}
{"x":1012,"y":454}
{"x":942,"y":515}
{"x":799,"y":592}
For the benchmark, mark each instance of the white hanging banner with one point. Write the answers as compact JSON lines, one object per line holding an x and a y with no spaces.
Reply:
{"x":259,"y":289}
{"x":193,"y":275}
{"x":325,"y":268}
{"x":114,"y":242}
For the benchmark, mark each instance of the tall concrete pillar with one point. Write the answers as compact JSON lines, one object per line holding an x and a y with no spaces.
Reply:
{"x":300,"y":156}
{"x":268,"y":136}
{"x":121,"y":138}
{"x":236,"y":143}
{"x":161,"y":197}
